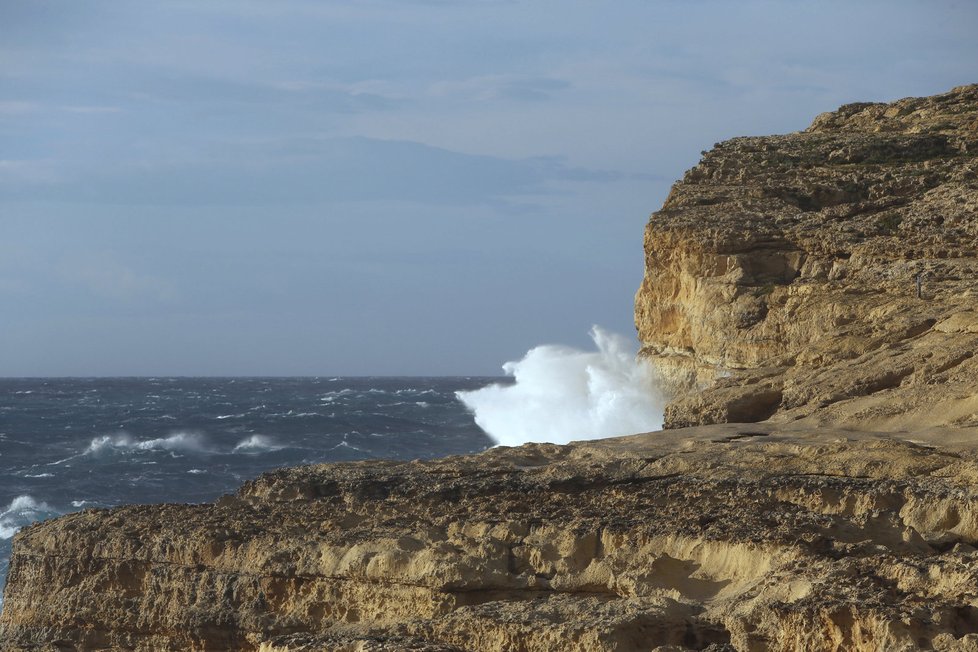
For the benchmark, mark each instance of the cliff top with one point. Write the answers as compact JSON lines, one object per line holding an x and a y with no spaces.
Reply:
{"x":951,"y":113}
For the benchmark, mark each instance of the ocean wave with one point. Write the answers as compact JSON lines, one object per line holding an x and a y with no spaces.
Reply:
{"x":561,"y":394}
{"x":232,"y":416}
{"x":23,"y":510}
{"x":179,"y":441}
{"x":415,"y":392}
{"x":420,"y":404}
{"x":257,"y":444}
{"x":346,"y":444}
{"x":295,"y":415}
{"x":329,"y":397}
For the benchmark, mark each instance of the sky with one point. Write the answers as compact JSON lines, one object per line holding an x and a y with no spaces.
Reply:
{"x":386,"y":187}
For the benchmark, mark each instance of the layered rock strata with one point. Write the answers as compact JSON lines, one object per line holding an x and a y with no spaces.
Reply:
{"x":782,"y":272}
{"x":713,"y":538}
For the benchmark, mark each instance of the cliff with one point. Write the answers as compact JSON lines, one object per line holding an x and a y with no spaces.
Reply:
{"x":780,"y":287}
{"x":781,"y":273}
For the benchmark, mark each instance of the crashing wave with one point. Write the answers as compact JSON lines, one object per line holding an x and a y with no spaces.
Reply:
{"x":178,"y":441}
{"x":23,"y":510}
{"x":562,"y":394}
{"x":257,"y":444}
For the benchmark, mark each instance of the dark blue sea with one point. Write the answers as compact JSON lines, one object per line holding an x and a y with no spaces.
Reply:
{"x":73,"y":443}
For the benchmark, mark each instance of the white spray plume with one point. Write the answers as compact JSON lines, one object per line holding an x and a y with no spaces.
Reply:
{"x":562,"y":394}
{"x":177,"y":441}
{"x":257,"y":444}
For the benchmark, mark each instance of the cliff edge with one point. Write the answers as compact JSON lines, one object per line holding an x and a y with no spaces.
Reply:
{"x":828,"y":274}
{"x":819,"y":284}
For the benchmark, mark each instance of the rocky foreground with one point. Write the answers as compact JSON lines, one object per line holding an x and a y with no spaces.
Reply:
{"x":781,"y":288}
{"x":719,"y":537}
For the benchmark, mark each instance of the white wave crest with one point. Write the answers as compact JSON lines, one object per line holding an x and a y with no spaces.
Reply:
{"x":562,"y":394}
{"x":178,"y":441}
{"x":257,"y":444}
{"x":329,"y":397}
{"x":346,"y":444}
{"x":22,"y":510}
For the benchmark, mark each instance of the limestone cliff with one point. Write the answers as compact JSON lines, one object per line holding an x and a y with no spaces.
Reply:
{"x":780,"y":286}
{"x":781,"y":273}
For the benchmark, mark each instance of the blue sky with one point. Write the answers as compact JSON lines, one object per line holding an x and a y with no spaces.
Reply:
{"x":403,"y":187}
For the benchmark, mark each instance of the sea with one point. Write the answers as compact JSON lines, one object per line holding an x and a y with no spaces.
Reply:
{"x":68,"y":444}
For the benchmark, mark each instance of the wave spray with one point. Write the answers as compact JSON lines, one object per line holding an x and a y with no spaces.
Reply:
{"x":563,"y":394}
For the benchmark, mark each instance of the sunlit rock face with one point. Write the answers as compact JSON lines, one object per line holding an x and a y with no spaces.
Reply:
{"x":782,"y":271}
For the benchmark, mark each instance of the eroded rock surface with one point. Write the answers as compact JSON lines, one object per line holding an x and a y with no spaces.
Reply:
{"x":781,"y":273}
{"x":719,"y":537}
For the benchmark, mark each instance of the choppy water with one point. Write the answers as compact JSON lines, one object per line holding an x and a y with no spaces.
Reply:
{"x":69,"y":444}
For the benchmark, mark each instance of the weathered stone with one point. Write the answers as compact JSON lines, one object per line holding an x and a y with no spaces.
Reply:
{"x":801,"y":253}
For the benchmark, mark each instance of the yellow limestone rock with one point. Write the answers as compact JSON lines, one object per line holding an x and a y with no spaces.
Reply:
{"x":782,"y":273}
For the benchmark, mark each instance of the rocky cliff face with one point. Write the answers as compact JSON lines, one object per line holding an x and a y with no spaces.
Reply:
{"x":780,"y":285}
{"x":781,"y":271}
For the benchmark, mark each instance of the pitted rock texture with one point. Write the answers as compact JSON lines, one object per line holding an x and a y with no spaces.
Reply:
{"x":724,"y":537}
{"x":781,"y":273}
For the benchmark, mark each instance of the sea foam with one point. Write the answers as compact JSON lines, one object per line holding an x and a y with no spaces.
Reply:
{"x":562,"y":394}
{"x":22,"y":511}
{"x":257,"y":444}
{"x":178,"y":441}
